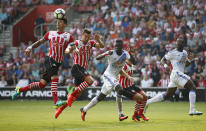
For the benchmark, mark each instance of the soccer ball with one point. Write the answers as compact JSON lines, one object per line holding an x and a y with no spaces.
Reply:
{"x":59,"y":13}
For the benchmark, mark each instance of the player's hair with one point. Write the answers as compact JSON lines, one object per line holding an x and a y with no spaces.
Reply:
{"x":181,"y":39}
{"x":119,"y":41}
{"x":87,"y":31}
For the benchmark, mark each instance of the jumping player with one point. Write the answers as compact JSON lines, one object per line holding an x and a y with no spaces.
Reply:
{"x":133,"y":92}
{"x":58,"y":42}
{"x":116,"y":61}
{"x":179,"y":59}
{"x":81,"y":52}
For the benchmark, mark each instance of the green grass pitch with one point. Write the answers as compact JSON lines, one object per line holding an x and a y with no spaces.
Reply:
{"x":39,"y":116}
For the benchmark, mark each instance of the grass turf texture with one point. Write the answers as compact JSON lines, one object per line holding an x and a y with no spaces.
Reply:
{"x":39,"y":116}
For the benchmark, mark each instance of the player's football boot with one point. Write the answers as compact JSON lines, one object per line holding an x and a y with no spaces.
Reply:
{"x":83,"y":114}
{"x":136,"y":118}
{"x":59,"y":110}
{"x":195,"y":113}
{"x":16,"y":93}
{"x":122,"y":117}
{"x":144,"y":117}
{"x":59,"y":103}
{"x":70,"y":99}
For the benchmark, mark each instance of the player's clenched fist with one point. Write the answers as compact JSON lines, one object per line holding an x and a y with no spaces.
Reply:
{"x":28,"y":50}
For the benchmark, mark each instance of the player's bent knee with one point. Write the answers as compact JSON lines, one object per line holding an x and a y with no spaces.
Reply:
{"x":119,"y":90}
{"x":90,"y":80}
{"x":101,"y":97}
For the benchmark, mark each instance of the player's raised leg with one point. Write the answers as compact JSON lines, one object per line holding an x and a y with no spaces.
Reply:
{"x":35,"y":85}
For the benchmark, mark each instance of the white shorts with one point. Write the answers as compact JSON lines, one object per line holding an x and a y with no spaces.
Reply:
{"x":109,"y":84}
{"x":178,"y":79}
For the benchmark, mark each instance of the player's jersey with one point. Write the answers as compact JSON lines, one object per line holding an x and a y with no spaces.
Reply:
{"x":82,"y":57}
{"x":124,"y":81}
{"x":178,"y":59}
{"x":58,"y":42}
{"x":116,"y":63}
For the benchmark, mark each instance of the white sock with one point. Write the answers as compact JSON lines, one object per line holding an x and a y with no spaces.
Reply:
{"x":157,"y":98}
{"x":92,"y":103}
{"x":119,"y":104}
{"x":192,"y":98}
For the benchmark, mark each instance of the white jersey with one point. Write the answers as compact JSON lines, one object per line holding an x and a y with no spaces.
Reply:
{"x":116,"y":63}
{"x":177,"y":59}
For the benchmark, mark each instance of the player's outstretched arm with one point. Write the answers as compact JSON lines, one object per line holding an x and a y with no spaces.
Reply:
{"x":99,"y":43}
{"x":101,"y":56}
{"x":71,"y":49}
{"x":34,"y":45}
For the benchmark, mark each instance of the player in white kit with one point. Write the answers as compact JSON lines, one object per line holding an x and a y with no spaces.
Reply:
{"x":116,"y":61}
{"x":179,"y":59}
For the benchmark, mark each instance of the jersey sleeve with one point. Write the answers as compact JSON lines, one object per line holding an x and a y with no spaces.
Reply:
{"x":46,"y":36}
{"x":169,"y":56}
{"x":186,"y":55}
{"x":92,"y":43}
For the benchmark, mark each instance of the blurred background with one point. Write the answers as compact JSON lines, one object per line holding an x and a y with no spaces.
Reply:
{"x":151,"y":27}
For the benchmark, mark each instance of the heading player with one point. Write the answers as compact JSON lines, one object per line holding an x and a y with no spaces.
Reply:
{"x":116,"y":60}
{"x":179,"y":59}
{"x":58,"y":42}
{"x":81,"y":52}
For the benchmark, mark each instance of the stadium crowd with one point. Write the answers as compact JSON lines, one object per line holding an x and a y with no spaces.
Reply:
{"x":151,"y":27}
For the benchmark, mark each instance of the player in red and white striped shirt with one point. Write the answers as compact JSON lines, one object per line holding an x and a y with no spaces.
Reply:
{"x":58,"y":42}
{"x":133,"y":92}
{"x":81,"y":52}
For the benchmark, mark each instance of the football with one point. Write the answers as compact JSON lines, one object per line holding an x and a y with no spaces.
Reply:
{"x":59,"y":13}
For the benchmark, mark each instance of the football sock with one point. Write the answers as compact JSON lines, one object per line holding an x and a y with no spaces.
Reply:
{"x":80,"y":88}
{"x":142,"y":105}
{"x":34,"y":85}
{"x":192,"y":98}
{"x":92,"y":103}
{"x":54,"y":89}
{"x":119,"y":104}
{"x":136,"y":108}
{"x":157,"y":98}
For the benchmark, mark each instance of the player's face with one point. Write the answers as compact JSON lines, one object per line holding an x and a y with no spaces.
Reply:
{"x":60,"y":25}
{"x":180,"y":44}
{"x":86,"y":37}
{"x":119,"y":47}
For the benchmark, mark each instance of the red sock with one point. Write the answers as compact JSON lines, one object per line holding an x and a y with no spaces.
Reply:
{"x":54,"y":89}
{"x":136,"y":108}
{"x":80,"y":88}
{"x":34,"y":85}
{"x":142,"y":105}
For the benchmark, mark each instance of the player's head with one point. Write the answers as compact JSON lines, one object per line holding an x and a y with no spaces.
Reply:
{"x":61,"y":24}
{"x":119,"y":46}
{"x":180,"y":43}
{"x":86,"y":34}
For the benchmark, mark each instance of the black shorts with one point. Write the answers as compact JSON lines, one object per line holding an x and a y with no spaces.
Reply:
{"x":50,"y":68}
{"x":130,"y":91}
{"x":79,"y":73}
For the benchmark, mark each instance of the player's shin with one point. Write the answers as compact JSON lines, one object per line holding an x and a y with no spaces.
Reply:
{"x":119,"y":104}
{"x":34,"y":85}
{"x":54,"y":89}
{"x":92,"y":103}
{"x":192,"y":99}
{"x":157,"y":98}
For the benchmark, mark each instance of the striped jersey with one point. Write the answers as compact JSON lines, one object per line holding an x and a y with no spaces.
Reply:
{"x":124,"y":81}
{"x":58,"y":42}
{"x":82,"y":57}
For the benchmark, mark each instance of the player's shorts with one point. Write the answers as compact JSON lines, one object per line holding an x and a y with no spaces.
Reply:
{"x":79,"y":73}
{"x":130,"y":91}
{"x":109,"y":84}
{"x":178,"y":79}
{"x":51,"y":68}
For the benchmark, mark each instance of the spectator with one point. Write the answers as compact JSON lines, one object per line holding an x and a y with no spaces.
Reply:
{"x":147,"y":82}
{"x":23,"y":81}
{"x":164,"y":81}
{"x":3,"y":82}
